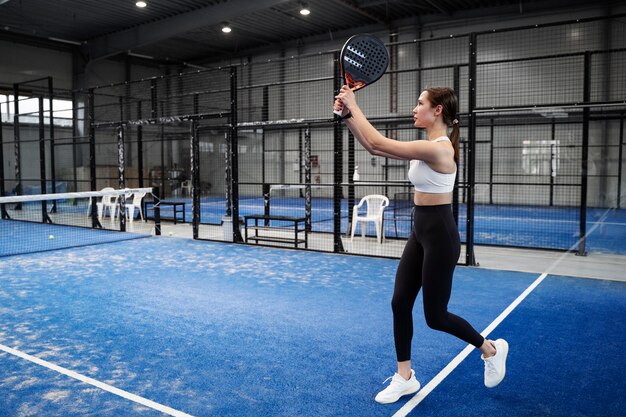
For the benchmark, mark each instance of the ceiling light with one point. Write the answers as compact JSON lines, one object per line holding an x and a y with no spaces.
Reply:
{"x":304,"y":11}
{"x":141,"y":4}
{"x":226,"y":28}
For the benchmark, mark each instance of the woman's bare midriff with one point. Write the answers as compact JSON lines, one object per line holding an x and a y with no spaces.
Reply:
{"x":430,"y":199}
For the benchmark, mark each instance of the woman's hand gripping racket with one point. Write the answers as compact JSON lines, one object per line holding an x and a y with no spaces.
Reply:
{"x":363,"y":60}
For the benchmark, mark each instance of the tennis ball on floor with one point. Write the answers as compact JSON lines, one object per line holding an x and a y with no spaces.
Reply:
{"x":171,"y":233}
{"x":51,"y":237}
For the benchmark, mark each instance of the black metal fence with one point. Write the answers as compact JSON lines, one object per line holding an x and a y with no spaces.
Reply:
{"x":541,"y":110}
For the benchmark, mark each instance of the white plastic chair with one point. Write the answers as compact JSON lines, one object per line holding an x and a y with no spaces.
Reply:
{"x":134,"y":204}
{"x":186,"y":186}
{"x":375,"y":209}
{"x":108,"y":202}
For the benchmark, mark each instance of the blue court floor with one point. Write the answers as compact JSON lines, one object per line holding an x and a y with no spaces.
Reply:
{"x":212,"y":329}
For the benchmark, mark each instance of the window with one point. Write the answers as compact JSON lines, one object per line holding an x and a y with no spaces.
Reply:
{"x":206,"y":147}
{"x":29,"y":110}
{"x":540,"y":157}
{"x":6,"y":107}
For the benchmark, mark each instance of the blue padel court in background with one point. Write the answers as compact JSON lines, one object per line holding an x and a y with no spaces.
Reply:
{"x":512,"y":226}
{"x":517,"y":226}
{"x":211,"y":329}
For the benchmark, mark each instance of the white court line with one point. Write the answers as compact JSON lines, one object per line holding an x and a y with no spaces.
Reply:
{"x":95,"y":383}
{"x":433,"y":383}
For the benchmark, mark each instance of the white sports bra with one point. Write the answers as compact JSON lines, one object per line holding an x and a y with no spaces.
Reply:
{"x":427,"y":180}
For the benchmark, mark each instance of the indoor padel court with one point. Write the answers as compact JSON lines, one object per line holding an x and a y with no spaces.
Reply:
{"x":329,"y":208}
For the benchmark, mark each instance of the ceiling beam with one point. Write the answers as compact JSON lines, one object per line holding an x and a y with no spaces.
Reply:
{"x":437,"y":7}
{"x":355,"y":8}
{"x":25,"y":39}
{"x":133,"y":38}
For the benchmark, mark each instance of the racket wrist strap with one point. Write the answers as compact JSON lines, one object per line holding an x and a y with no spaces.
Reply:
{"x":347,"y":116}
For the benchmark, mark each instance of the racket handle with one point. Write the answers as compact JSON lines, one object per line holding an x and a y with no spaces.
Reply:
{"x":340,"y":111}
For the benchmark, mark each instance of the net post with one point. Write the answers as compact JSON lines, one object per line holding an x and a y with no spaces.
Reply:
{"x":266,"y":203}
{"x":121,"y":132}
{"x":156,"y":196}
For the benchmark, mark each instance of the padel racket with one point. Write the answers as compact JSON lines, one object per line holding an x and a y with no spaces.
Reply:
{"x":363,"y":60}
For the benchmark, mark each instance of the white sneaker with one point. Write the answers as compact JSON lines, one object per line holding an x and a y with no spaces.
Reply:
{"x":398,"y":387}
{"x":495,"y":366}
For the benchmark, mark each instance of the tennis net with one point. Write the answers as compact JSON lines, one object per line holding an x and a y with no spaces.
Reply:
{"x":46,"y":222}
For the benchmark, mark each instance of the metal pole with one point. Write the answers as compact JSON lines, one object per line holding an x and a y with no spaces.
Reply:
{"x":53,"y":177}
{"x":338,"y":167}
{"x":455,"y":190}
{"x":92,"y":157}
{"x":156,"y":195}
{"x":619,"y":162}
{"x":471,"y":157}
{"x":42,"y":162}
{"x":234,"y":155}
{"x":195,"y":178}
{"x":16,"y":130}
{"x":74,"y":141}
{"x":121,"y":133}
{"x":552,"y":162}
{"x":140,"y":147}
{"x":228,"y":182}
{"x":264,"y":117}
{"x":307,"y":178}
{"x":153,"y":99}
{"x":300,"y":157}
{"x":491,"y":161}
{"x":351,"y":168}
{"x":582,"y":231}
{"x":266,"y":202}
{"x":162,"y":170}
{"x":3,"y":213}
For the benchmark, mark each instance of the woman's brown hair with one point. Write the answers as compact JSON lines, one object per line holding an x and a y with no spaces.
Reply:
{"x":446,"y":97}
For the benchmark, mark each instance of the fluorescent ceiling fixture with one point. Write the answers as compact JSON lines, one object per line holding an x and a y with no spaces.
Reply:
{"x":64,"y":40}
{"x":305,"y":11}
{"x":141,"y":4}
{"x":226,"y":29}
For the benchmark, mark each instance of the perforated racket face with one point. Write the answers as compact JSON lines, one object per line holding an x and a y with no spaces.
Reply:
{"x":363,"y":60}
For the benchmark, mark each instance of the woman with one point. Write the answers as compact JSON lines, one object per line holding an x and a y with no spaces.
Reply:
{"x":433,"y":248}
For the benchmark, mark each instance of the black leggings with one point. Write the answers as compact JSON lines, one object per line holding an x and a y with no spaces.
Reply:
{"x":428,"y":262}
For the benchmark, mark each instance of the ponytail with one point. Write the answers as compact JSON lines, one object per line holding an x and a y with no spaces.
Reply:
{"x":446,"y":97}
{"x":454,"y":138}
